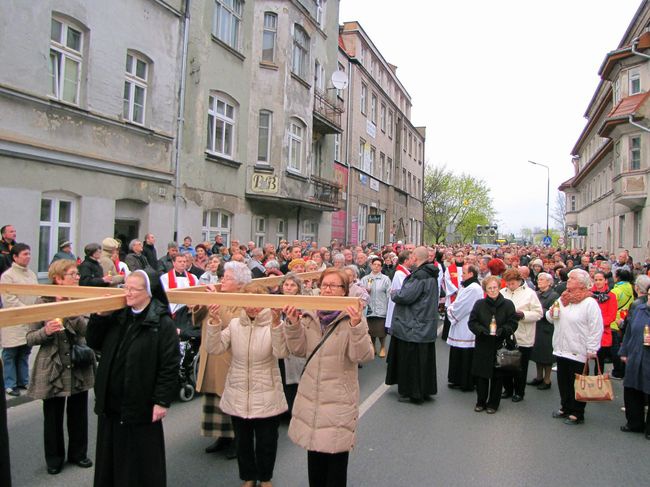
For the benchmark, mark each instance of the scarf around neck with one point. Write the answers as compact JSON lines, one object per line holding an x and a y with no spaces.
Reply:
{"x":326,"y":318}
{"x":574,"y":297}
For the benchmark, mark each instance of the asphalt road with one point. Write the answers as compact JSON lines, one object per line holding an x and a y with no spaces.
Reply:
{"x":441,"y":443}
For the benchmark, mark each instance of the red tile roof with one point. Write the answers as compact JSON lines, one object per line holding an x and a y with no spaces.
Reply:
{"x":621,"y":112}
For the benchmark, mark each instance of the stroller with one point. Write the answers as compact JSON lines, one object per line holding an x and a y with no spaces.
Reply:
{"x":190,"y":344}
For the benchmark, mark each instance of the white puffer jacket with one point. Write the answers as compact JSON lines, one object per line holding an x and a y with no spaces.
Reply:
{"x":253,"y":385}
{"x":526,"y":301}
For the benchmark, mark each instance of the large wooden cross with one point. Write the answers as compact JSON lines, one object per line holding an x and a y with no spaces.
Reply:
{"x":85,"y":300}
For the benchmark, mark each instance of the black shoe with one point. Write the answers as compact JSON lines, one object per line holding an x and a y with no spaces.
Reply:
{"x":23,"y":387}
{"x":535,"y":382}
{"x":559,"y":414}
{"x":479,"y":409}
{"x":490,"y":410}
{"x":544,"y":386}
{"x":218,"y":445}
{"x":83,"y":463}
{"x":517,"y":398}
{"x":506,"y":395}
{"x":626,"y":429}
{"x":54,"y":470}
{"x":231,"y":451}
{"x":573,"y":420}
{"x":453,"y":386}
{"x":13,"y":392}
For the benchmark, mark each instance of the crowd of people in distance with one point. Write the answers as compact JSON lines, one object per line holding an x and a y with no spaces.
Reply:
{"x":259,"y":366}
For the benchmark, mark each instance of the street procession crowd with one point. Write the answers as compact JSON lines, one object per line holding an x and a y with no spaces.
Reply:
{"x":560,"y":308}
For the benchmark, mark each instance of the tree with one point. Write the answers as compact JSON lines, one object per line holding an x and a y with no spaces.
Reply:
{"x":452,"y":201}
{"x":558,"y":215}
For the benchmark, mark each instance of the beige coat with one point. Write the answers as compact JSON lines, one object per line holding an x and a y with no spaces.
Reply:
{"x":326,"y":409}
{"x":525,"y":300}
{"x":16,"y":336}
{"x":53,"y":374}
{"x":109,"y":266}
{"x":253,"y":385}
{"x":213,"y":369}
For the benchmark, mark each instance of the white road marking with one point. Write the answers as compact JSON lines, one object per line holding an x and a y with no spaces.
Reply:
{"x":372,"y":399}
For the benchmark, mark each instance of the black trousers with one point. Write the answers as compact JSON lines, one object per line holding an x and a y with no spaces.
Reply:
{"x":515,"y":383}
{"x":603,"y":354}
{"x":566,"y":371}
{"x":618,"y":369}
{"x":327,"y":469}
{"x":635,"y":401}
{"x":257,"y":445}
{"x":488,"y":391}
{"x":77,"y":423}
{"x":129,"y":455}
{"x":5,"y":466}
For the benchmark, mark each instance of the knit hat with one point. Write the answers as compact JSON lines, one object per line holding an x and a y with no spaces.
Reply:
{"x":296,"y":262}
{"x":537,"y":262}
{"x":109,"y":244}
{"x":65,"y":244}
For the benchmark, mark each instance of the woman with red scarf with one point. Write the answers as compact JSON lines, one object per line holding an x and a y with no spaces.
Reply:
{"x":608,"y":307}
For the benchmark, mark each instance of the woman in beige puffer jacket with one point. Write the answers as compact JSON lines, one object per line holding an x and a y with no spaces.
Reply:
{"x":326,"y":410}
{"x":253,"y":393}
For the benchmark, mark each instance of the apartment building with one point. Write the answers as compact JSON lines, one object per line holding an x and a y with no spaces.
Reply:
{"x":380,"y":156}
{"x":607,"y":198}
{"x":88,"y":97}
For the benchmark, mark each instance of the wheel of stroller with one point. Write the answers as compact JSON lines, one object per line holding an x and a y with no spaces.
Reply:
{"x":186,"y":393}
{"x":195,"y":370}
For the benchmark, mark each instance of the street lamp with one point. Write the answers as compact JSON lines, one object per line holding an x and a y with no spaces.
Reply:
{"x":548,"y":188}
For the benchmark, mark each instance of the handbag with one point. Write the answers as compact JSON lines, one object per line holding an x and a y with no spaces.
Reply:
{"x":81,"y":355}
{"x":320,"y":344}
{"x":593,"y":388}
{"x":509,"y":359}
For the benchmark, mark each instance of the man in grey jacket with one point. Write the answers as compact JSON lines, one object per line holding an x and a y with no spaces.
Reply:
{"x":412,"y":354}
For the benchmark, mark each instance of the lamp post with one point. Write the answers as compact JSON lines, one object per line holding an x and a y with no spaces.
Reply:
{"x":548,"y":188}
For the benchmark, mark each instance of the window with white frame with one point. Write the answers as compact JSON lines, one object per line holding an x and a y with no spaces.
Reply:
{"x":309,"y":231}
{"x":296,"y":134}
{"x":226,"y":23}
{"x":382,"y":117}
{"x":382,"y":165}
{"x":264,"y":136}
{"x":221,"y":126}
{"x":635,"y":153}
{"x":216,"y":222}
{"x":362,"y":221}
{"x":390,"y":124}
{"x":621,"y":230}
{"x":362,"y":153}
{"x":364,"y":53}
{"x":371,"y":161}
{"x":337,"y":147}
{"x":635,"y":81}
{"x":616,"y":91}
{"x":389,"y":171}
{"x":135,"y":88}
{"x":56,"y":226}
{"x":320,"y":12}
{"x":381,"y":228}
{"x":259,"y":230}
{"x":269,"y":36}
{"x":373,"y":109}
{"x":280,"y":231}
{"x":637,"y":228}
{"x":300,"y":54}
{"x":319,"y":76}
{"x":66,"y":44}
{"x":364,"y":98}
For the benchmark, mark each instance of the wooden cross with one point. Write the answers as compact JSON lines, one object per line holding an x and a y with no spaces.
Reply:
{"x":97,"y":299}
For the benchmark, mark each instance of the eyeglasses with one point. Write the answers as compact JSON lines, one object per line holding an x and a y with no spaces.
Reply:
{"x":72,"y":274}
{"x":331,"y":286}
{"x":133,"y":289}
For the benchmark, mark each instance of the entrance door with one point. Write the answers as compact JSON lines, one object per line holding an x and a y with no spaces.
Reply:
{"x":125,"y":231}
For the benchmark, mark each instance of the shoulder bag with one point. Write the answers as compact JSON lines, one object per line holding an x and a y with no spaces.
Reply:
{"x":509,"y":358}
{"x":593,"y":388}
{"x":320,"y":344}
{"x":80,"y":355}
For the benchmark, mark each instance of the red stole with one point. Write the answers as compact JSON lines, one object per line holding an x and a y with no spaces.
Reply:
{"x":116,"y":263}
{"x":171,"y":275}
{"x":453,"y":274}
{"x":400,"y":267}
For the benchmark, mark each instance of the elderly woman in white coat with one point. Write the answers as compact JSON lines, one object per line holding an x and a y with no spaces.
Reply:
{"x":378,"y":287}
{"x":253,"y":393}
{"x":529,"y":310}
{"x":326,"y":410}
{"x":578,"y":326}
{"x":460,"y":339}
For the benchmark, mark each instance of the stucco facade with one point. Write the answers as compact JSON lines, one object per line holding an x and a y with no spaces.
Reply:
{"x":606,"y":199}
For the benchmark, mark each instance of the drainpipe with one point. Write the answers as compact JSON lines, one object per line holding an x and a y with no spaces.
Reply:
{"x":180,"y":121}
{"x":635,"y":43}
{"x":348,"y":220}
{"x":631,"y":121}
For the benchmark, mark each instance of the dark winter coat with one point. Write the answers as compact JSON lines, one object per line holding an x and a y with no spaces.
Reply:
{"x":415,"y":316}
{"x":637,"y":368}
{"x":486,"y":345}
{"x":151,"y":360}
{"x":543,"y":348}
{"x":149,"y":251}
{"x":91,"y":273}
{"x":136,"y":262}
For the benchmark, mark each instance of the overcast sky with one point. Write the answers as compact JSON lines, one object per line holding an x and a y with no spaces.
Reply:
{"x":498,"y":83}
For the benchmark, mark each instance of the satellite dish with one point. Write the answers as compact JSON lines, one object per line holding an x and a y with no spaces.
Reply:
{"x":339,"y":80}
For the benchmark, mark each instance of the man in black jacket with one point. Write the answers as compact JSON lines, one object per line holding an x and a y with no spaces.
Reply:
{"x":7,"y":241}
{"x":90,"y":270}
{"x":135,"y":259}
{"x":166,"y":263}
{"x":136,"y":381}
{"x":149,"y":250}
{"x":412,"y":354}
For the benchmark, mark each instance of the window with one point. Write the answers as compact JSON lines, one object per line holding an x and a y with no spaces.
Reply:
{"x":296,"y":134}
{"x":382,"y":165}
{"x":617,"y":157}
{"x":364,"y":98}
{"x":309,"y":231}
{"x":381,"y":228}
{"x":621,"y":230}
{"x":410,"y":185}
{"x":135,"y":89}
{"x":373,"y":109}
{"x":364,"y":53}
{"x":56,"y":226}
{"x":227,"y":21}
{"x":216,"y":222}
{"x":389,"y":171}
{"x":264,"y":137}
{"x":403,"y":179}
{"x":320,"y":12}
{"x":635,"y":81}
{"x":382,"y":118}
{"x":65,"y":61}
{"x":410,"y":144}
{"x":361,"y":223}
{"x":259,"y":230}
{"x":221,"y":126}
{"x":371,"y":161}
{"x":316,"y":156}
{"x":390,"y":124}
{"x":268,"y":36}
{"x":404,"y":139}
{"x":319,"y":76}
{"x":281,"y":231}
{"x":337,"y":147}
{"x":637,"y":229}
{"x":635,"y":153}
{"x":362,"y":153}
{"x":616,"y":91}
{"x":420,"y":154}
{"x":573,"y":203}
{"x":300,"y":58}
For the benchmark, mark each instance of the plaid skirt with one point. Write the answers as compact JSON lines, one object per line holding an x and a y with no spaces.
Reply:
{"x":215,"y":423}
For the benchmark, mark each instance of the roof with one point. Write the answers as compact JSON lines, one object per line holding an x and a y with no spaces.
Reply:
{"x":621,"y":112}
{"x":566,"y":184}
{"x":613,"y":57}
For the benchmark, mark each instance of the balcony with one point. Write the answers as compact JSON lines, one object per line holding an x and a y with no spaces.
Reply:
{"x":325,"y":192}
{"x":631,"y":189}
{"x":327,"y":113}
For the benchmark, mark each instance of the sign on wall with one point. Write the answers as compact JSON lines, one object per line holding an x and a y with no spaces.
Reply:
{"x":264,"y":183}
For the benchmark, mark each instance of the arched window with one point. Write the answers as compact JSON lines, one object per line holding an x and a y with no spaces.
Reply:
{"x":66,"y":58}
{"x":222,"y":117}
{"x":137,"y":79}
{"x":300,"y":57}
{"x":269,"y":36}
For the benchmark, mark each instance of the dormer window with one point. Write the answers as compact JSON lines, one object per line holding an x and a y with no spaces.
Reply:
{"x":635,"y":82}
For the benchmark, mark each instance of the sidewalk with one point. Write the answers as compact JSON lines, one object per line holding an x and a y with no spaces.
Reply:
{"x":23,"y":398}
